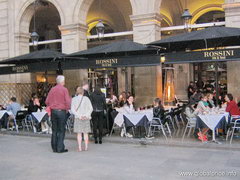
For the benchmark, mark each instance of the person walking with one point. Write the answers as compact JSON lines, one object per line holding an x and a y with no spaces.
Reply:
{"x":81,"y":108}
{"x":99,"y":105}
{"x":59,"y":102}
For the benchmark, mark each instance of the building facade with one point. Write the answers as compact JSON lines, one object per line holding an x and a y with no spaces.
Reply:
{"x":69,"y":26}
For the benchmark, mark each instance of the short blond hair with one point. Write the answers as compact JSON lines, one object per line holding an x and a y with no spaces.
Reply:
{"x":80,"y":90}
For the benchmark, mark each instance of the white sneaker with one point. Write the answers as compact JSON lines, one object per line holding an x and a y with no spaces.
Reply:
{"x":34,"y":129}
{"x":44,"y":130}
{"x":122,"y":133}
{"x":129,"y":135}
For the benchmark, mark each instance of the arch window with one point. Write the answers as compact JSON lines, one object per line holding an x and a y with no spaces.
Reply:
{"x":47,"y":20}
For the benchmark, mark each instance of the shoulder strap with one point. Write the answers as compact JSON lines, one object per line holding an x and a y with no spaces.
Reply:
{"x":80,"y":104}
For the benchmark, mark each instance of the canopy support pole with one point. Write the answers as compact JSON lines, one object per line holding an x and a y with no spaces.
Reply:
{"x":216,"y":80}
{"x":126,"y":79}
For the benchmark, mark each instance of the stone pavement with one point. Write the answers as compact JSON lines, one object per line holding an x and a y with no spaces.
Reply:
{"x":30,"y":158}
{"x":176,"y":141}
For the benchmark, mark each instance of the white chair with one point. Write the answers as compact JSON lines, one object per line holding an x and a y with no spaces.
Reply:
{"x":27,"y":123}
{"x":190,"y":125}
{"x":115,"y":127}
{"x":235,"y":124}
{"x":20,"y":116}
{"x":156,"y":125}
{"x":169,"y":119}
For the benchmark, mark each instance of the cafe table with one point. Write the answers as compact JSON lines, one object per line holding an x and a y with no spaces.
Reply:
{"x":212,"y":120}
{"x":3,"y":112}
{"x":39,"y":116}
{"x":136,"y":119}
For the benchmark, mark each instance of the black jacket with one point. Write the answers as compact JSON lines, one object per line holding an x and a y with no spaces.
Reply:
{"x":32,"y":107}
{"x":85,"y":93}
{"x":158,"y":112}
{"x":98,"y":101}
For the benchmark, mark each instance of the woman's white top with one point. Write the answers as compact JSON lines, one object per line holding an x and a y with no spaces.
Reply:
{"x":85,"y":109}
{"x":128,"y":109}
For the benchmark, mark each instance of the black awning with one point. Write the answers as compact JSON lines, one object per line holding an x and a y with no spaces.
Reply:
{"x":118,"y":48}
{"x":111,"y":62}
{"x":202,"y":39}
{"x":30,"y":67}
{"x":34,"y":57}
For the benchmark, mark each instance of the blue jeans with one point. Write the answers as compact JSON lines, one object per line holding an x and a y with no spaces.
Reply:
{"x":58,"y":118}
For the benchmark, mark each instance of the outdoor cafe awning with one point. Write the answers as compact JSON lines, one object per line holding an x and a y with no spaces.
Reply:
{"x":117,"y":54}
{"x":211,"y":37}
{"x":117,"y":48}
{"x":37,"y":61}
{"x":45,"y":55}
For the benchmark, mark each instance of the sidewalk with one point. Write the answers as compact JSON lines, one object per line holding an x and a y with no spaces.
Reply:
{"x":189,"y":142}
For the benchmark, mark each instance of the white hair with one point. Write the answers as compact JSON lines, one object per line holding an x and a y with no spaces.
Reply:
{"x":60,"y":79}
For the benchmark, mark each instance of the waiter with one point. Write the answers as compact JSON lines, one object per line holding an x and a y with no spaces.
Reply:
{"x":59,"y":102}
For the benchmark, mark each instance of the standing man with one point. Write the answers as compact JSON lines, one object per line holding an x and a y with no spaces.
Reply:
{"x":59,"y":102}
{"x":99,"y":105}
{"x":85,"y":87}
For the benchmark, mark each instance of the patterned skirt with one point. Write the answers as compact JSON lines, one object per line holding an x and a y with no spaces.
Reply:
{"x":81,"y":126}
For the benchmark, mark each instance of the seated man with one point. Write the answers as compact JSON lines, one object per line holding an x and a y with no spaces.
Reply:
{"x":13,"y":107}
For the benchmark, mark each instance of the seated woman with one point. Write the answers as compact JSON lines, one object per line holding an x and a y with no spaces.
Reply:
{"x":210,"y":100}
{"x":203,"y":105}
{"x":158,"y":110}
{"x":128,"y":108}
{"x":232,"y":106}
{"x":129,"y":105}
{"x":191,"y":114}
{"x":35,"y":106}
{"x":122,"y":99}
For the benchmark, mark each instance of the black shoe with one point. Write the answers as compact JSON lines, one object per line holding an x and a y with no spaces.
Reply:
{"x":100,"y":142}
{"x":96,"y":141}
{"x":63,"y":151}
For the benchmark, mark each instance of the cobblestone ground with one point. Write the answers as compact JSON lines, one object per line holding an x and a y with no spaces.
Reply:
{"x":30,"y":158}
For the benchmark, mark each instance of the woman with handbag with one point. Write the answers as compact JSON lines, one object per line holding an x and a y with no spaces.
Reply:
{"x":81,"y":108}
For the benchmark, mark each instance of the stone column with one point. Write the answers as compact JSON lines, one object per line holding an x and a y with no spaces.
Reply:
{"x":148,"y":80}
{"x":4,"y":38}
{"x":232,"y":19}
{"x":74,"y":39}
{"x":183,"y":74}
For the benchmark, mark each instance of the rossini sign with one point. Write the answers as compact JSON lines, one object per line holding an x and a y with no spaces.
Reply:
{"x":222,"y":54}
{"x":203,"y":56}
{"x":106,"y":62}
{"x":20,"y":69}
